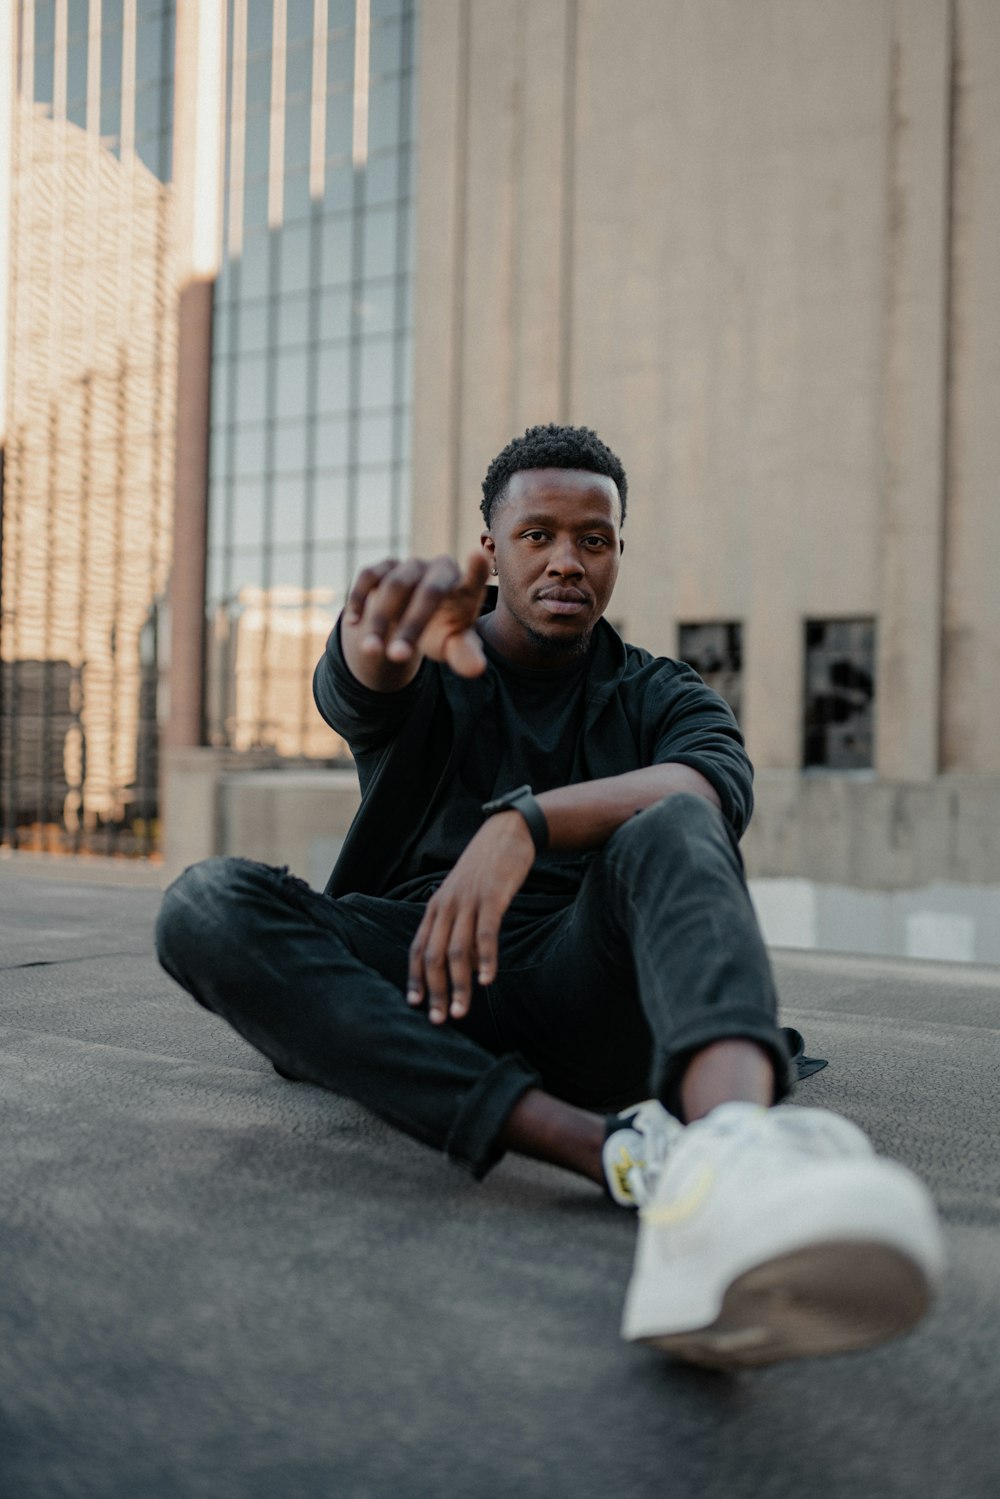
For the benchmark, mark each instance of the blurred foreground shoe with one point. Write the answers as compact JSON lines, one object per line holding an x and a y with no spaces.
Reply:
{"x":636,"y":1147}
{"x":778,"y":1233}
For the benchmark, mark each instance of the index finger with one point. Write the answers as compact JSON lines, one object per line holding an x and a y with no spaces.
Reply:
{"x":366,"y":581}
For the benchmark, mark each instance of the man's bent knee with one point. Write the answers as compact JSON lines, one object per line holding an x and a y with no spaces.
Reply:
{"x":196,"y":907}
{"x":683,"y":814}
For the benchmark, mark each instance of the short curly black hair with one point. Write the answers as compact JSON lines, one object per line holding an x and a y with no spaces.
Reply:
{"x":551,"y":446}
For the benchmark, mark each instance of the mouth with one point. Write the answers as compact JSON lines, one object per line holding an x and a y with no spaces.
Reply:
{"x":563,"y":601}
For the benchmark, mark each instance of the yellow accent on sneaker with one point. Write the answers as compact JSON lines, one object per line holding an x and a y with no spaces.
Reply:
{"x":621,"y":1169}
{"x":685,"y":1206}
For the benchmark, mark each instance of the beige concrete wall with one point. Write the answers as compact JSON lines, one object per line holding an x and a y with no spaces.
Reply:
{"x":756,"y":246}
{"x":971,"y":728}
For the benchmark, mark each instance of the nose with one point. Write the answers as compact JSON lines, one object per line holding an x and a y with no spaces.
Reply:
{"x":564,"y":561}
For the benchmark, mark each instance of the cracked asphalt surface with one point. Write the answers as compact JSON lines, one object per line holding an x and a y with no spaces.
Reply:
{"x":214,"y":1283}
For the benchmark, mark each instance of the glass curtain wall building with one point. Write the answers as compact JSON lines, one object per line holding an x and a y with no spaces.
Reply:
{"x":310,"y":389}
{"x":91,"y":383}
{"x":312,"y":349}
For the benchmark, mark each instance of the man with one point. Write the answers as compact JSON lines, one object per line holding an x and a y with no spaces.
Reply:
{"x":540,"y":912}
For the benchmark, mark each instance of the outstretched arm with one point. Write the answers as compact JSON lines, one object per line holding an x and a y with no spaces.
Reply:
{"x":398,"y":612}
{"x":459,"y":935}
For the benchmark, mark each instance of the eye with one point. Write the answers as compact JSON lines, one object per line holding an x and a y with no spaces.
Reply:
{"x":530,"y":535}
{"x":602,"y":541}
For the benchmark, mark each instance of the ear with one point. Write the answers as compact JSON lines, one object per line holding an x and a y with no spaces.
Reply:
{"x":621,"y":545}
{"x":489,"y":546}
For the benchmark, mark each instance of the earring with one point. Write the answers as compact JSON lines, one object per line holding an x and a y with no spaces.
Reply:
{"x":494,"y":571}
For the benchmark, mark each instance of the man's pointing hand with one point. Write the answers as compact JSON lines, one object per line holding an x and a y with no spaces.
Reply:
{"x":397,"y":612}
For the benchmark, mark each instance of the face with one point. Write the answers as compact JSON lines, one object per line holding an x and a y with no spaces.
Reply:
{"x":556,"y":546}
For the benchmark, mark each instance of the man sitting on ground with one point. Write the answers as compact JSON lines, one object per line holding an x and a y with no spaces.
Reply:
{"x":540,"y":913}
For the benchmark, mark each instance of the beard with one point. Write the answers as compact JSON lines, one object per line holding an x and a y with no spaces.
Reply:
{"x":550,"y":645}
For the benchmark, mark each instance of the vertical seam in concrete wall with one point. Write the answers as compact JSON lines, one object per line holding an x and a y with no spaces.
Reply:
{"x":515,"y":277}
{"x":458,"y":302}
{"x":887,"y":392}
{"x":568,"y":214}
{"x":954,"y":102}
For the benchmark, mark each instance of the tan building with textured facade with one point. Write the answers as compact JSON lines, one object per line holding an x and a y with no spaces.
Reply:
{"x":758,"y":248}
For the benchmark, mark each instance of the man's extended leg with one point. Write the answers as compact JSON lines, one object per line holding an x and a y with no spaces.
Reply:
{"x":317,"y":986}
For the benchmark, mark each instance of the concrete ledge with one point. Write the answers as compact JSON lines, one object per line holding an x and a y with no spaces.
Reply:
{"x":219,"y":802}
{"x":949,"y":923}
{"x":294,"y":817}
{"x":857,"y":831}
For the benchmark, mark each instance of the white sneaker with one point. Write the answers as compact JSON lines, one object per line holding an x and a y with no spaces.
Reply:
{"x":778,"y":1233}
{"x":635,"y":1151}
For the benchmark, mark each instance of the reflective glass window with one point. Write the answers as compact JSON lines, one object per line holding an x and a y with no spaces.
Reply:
{"x":383,"y":114}
{"x":376,"y":385}
{"x":375,"y":502}
{"x":76,"y":81}
{"x":248,"y":512}
{"x":298,"y":116}
{"x":45,"y":25}
{"x":255,"y":264}
{"x":298,"y":71}
{"x":290,"y":447}
{"x":333,"y":377}
{"x":259,"y":26}
{"x":336,"y":250}
{"x":339,"y":194}
{"x":299,"y":21}
{"x":294,"y":261}
{"x":251,"y":325}
{"x":288,"y":520}
{"x":286,"y":570}
{"x":148,"y":46}
{"x":374,"y":438}
{"x":249,"y":448}
{"x":298,"y":199}
{"x":318,"y":308}
{"x":340,"y":119}
{"x":386,"y":47}
{"x":251,"y":388}
{"x":380,"y":242}
{"x":330,"y":507}
{"x":293,"y":318}
{"x":378,"y":306}
{"x":255,"y":191}
{"x":220,"y":392}
{"x":331,"y":440}
{"x":334,"y":313}
{"x":258,"y":137}
{"x":382,"y":178}
{"x":340,"y":56}
{"x":289,"y":382}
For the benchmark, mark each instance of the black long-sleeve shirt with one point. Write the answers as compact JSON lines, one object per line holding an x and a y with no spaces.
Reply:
{"x":430,"y":755}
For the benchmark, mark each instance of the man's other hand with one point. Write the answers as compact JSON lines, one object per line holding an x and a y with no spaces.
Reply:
{"x":398,"y":612}
{"x":460,"y":934}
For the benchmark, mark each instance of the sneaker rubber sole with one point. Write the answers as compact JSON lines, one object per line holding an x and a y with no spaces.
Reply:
{"x":821,"y":1299}
{"x":843,"y":1258}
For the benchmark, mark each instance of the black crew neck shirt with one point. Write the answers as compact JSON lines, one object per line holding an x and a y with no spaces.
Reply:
{"x":529,"y":733}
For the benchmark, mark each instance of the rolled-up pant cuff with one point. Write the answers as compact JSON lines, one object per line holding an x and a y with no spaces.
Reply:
{"x":722,"y":1027}
{"x":472,"y":1140}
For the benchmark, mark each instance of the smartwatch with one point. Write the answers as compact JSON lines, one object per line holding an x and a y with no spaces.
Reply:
{"x":521,"y":800}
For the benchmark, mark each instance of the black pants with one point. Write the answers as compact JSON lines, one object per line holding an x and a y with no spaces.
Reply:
{"x":659,"y":955}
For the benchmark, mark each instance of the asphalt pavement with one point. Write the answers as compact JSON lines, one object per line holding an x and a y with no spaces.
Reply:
{"x":214,"y":1283}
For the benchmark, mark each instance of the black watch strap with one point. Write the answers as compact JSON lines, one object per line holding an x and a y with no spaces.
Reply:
{"x":521,"y":800}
